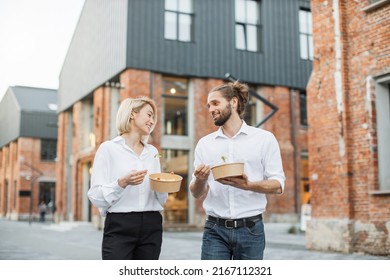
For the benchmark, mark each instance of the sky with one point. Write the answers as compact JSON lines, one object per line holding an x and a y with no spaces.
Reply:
{"x":34,"y":39}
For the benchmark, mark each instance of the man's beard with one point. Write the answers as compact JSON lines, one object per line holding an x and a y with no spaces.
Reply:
{"x":224,"y":116}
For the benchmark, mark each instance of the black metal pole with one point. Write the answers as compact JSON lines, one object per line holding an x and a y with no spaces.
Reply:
{"x":31,"y":199}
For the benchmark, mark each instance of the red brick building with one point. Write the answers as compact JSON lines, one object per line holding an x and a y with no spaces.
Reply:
{"x":115,"y":53}
{"x":349,"y":133}
{"x":90,"y":122}
{"x":28,"y":144}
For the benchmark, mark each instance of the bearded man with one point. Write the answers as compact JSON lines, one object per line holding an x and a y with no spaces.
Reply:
{"x":234,"y":228}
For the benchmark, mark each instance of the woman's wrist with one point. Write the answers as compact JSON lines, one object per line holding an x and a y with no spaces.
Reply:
{"x":121,"y":183}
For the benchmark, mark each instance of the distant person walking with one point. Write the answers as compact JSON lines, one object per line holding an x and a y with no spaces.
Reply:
{"x":42,"y":211}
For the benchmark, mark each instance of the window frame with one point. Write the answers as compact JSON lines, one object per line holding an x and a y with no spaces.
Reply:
{"x":178,"y":24}
{"x":245,"y":24}
{"x":303,"y":121}
{"x":166,"y":96}
{"x":45,"y":147}
{"x":308,"y":35}
{"x":382,"y":104}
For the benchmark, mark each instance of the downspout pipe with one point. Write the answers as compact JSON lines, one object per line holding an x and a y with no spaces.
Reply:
{"x":294,"y":144}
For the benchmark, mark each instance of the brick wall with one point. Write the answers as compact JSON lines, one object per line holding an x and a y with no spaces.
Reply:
{"x":15,"y":176}
{"x":61,"y":167}
{"x":351,"y":47}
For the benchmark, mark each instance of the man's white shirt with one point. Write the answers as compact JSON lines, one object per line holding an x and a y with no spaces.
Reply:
{"x":259,"y":150}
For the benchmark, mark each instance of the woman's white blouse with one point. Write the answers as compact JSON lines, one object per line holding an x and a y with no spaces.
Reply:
{"x":113,"y":160}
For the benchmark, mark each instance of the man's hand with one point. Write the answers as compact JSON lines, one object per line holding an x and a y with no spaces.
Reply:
{"x":271,"y":186}
{"x":240,"y":182}
{"x":202,"y":172}
{"x":199,"y":187}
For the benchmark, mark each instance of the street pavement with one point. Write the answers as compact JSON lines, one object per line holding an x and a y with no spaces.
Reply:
{"x":81,"y":241}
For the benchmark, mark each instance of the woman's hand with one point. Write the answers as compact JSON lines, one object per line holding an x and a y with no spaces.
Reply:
{"x":135,"y":177}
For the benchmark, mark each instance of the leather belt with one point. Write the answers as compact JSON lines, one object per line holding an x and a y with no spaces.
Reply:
{"x":236,"y":223}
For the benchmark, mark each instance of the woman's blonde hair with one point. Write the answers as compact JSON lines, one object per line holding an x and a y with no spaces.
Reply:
{"x":135,"y":105}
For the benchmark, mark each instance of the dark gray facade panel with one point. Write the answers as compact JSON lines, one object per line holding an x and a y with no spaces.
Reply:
{"x":114,"y":35}
{"x":97,"y":51}
{"x":25,"y":112}
{"x":35,"y":99}
{"x":38,"y":125}
{"x":9,"y":119}
{"x":213,"y":51}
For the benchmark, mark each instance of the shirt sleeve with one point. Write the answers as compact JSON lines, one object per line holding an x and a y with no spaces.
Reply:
{"x":103,"y":193}
{"x":273,"y":167}
{"x":197,"y":159}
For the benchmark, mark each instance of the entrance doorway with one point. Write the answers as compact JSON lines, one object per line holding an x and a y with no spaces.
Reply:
{"x":176,"y":208}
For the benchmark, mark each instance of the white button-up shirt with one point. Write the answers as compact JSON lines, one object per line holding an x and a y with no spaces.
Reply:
{"x":260,"y":152}
{"x":113,"y":160}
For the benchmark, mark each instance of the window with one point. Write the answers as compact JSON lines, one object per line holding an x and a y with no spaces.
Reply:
{"x":383,"y":131}
{"x":247,"y":15}
{"x":250,"y":116}
{"x":87,"y":118}
{"x":175,"y":99}
{"x":114,"y":106}
{"x":48,"y":149}
{"x":303,"y":107}
{"x":252,"y":110}
{"x":305,"y":34}
{"x":178,"y":20}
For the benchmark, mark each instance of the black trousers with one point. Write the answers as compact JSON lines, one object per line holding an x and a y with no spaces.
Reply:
{"x":132,"y":236}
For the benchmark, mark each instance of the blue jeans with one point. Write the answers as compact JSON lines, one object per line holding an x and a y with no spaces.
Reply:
{"x":245,"y":243}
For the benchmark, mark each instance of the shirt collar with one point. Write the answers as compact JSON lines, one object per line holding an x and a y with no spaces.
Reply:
{"x":244,"y":129}
{"x":120,"y":140}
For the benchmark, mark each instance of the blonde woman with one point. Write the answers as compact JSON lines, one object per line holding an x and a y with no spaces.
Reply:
{"x":120,"y":186}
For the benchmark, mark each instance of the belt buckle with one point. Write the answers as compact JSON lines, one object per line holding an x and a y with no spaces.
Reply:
{"x":230,"y":227}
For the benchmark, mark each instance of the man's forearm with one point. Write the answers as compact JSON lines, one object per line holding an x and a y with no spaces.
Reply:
{"x":266,"y":186}
{"x":198,"y":188}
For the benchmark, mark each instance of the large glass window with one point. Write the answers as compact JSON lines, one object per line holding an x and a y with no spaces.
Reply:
{"x":303,"y":107}
{"x":248,"y":29}
{"x":48,"y":149}
{"x":88,"y":137}
{"x":251,"y":112}
{"x":114,"y":106}
{"x":176,"y":207}
{"x":178,"y":20}
{"x":305,"y":34}
{"x":175,"y":99}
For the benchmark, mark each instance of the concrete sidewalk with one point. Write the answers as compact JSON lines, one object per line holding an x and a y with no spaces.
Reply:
{"x":81,"y":241}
